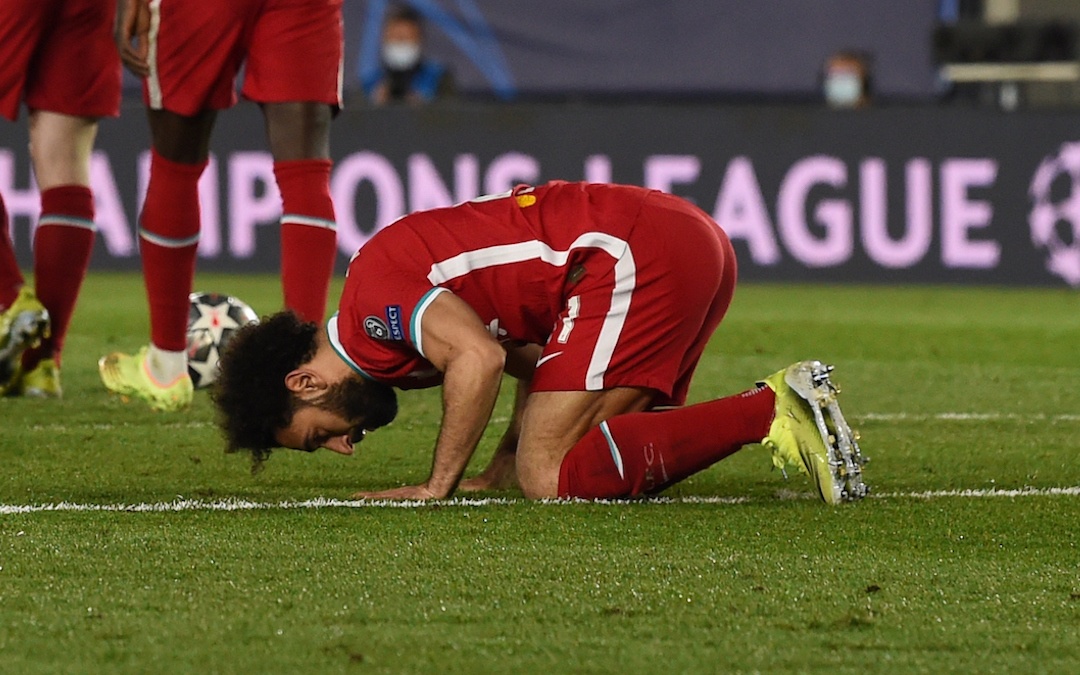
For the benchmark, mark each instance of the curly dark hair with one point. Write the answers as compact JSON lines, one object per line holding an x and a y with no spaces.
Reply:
{"x":250,"y":393}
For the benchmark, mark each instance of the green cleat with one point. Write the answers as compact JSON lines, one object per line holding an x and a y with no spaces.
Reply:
{"x":129,"y":376}
{"x":810,"y":432}
{"x":22,"y":326}
{"x":43,"y":381}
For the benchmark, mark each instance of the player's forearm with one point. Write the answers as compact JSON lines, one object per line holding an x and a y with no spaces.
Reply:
{"x":509,"y":441}
{"x":503,"y":458}
{"x":520,"y":363}
{"x":501,"y":471}
{"x":470,"y":388}
{"x":502,"y":467}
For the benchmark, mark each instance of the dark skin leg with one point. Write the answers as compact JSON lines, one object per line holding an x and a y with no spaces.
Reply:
{"x":180,"y":138}
{"x":297,"y":130}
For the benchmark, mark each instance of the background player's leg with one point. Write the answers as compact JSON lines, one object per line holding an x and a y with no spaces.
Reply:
{"x":60,"y":147}
{"x":644,"y":453}
{"x":23,"y":320}
{"x":299,"y":135}
{"x":184,"y":139}
{"x":169,"y":233}
{"x":11,"y":279}
{"x":298,"y":130}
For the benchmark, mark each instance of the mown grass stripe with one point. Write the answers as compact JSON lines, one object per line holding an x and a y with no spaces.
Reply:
{"x":1031,"y":418}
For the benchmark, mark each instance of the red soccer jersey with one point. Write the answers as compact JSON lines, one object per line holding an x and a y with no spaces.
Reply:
{"x":511,"y":257}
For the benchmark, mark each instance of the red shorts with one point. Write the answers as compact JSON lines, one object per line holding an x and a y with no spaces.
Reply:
{"x":59,"y":55}
{"x":643,"y":319}
{"x":291,"y":50}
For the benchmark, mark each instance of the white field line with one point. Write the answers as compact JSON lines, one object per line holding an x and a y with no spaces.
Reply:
{"x":109,"y":426}
{"x":244,"y":505}
{"x":1030,"y":418}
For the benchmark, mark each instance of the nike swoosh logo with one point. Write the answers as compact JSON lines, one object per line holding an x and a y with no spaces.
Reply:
{"x":544,"y":359}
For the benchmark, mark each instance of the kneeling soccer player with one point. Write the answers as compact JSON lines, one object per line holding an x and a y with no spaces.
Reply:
{"x":599,"y":299}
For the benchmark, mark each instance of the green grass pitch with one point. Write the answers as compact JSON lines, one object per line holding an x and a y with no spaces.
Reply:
{"x":964,"y":559}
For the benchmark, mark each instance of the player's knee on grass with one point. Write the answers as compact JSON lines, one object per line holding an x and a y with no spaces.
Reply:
{"x":587,"y":469}
{"x":552,"y":422}
{"x":548,"y":431}
{"x":538,"y":475}
{"x":590,"y":471}
{"x":555,"y":422}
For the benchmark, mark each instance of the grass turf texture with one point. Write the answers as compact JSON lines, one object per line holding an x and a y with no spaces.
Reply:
{"x":770,"y":584}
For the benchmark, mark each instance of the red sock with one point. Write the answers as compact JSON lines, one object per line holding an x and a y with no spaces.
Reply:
{"x":63,"y":242}
{"x":168,"y":239}
{"x":643,"y":453}
{"x":308,"y":235}
{"x":11,"y":279}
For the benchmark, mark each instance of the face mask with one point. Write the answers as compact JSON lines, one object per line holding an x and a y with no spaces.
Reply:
{"x":401,"y":55}
{"x":843,"y":90}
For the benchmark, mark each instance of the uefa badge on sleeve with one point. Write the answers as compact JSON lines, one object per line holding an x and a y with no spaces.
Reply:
{"x":376,"y":328}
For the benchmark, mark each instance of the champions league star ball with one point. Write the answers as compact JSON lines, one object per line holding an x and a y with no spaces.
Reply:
{"x":1055,"y":212}
{"x":212,"y":320}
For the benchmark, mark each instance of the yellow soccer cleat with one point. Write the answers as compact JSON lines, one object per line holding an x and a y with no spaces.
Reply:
{"x":129,"y":376}
{"x":810,"y":432}
{"x":43,"y":381}
{"x":22,"y":326}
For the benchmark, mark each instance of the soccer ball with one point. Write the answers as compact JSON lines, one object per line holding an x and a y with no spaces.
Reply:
{"x":1055,"y":213}
{"x":212,"y":320}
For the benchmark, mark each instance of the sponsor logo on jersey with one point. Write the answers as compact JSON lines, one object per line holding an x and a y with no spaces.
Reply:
{"x":544,"y":359}
{"x":376,"y":328}
{"x":393,"y":320}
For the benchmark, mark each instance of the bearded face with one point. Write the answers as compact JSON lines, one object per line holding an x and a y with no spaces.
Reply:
{"x":365,"y":404}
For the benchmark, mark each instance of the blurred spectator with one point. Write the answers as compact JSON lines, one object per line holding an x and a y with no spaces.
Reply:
{"x":846,"y":80}
{"x":404,"y":75}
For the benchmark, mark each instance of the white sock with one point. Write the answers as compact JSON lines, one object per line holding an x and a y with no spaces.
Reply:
{"x":165,"y":366}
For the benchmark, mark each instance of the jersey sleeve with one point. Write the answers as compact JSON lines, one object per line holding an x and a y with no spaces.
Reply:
{"x":379,"y":321}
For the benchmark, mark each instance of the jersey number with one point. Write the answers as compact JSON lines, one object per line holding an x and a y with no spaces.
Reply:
{"x":573,"y":309}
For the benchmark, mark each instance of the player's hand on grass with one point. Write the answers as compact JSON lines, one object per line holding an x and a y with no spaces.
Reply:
{"x":482,"y":482}
{"x":133,"y":36}
{"x":500,"y":475}
{"x":419,"y":492}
